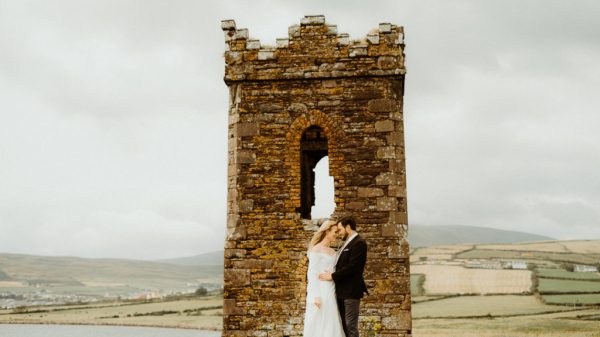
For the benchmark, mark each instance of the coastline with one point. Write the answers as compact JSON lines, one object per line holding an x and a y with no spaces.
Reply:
{"x":167,"y":326}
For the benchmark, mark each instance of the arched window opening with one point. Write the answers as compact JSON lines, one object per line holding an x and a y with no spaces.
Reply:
{"x":313,"y":147}
{"x":324,"y":191}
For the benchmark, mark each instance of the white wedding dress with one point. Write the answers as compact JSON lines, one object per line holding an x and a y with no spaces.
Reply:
{"x":326,"y":321}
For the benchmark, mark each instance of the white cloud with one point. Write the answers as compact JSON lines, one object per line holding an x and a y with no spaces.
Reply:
{"x":113,"y":117}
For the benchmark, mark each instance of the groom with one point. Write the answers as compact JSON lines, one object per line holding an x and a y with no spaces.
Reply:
{"x":348,"y":276}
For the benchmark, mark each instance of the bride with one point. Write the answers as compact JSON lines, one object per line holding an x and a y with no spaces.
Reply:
{"x":322,"y":318}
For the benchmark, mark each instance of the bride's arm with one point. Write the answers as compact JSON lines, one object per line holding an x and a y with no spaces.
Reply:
{"x":313,"y":294}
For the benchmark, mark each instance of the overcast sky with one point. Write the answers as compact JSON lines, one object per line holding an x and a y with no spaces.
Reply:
{"x":113,"y":117}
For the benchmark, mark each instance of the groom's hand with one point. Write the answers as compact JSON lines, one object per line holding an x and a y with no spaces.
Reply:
{"x":325,"y":277}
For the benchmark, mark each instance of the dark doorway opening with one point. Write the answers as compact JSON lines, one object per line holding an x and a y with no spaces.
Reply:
{"x":313,"y":147}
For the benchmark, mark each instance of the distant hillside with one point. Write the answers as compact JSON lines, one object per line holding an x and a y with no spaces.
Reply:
{"x":99,"y":275}
{"x":419,"y":236}
{"x":425,"y":236}
{"x":207,"y":259}
{"x":81,"y":275}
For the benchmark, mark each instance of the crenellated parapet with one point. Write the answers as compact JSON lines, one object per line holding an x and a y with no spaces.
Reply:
{"x":313,"y":49}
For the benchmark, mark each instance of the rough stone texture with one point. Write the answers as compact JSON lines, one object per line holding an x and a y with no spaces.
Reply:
{"x":348,"y":96}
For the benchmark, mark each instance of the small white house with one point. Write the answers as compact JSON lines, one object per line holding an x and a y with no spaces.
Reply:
{"x":483,"y":264}
{"x":581,"y":268}
{"x":515,"y":265}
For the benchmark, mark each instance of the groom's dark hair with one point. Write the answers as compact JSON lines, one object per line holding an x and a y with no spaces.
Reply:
{"x":348,"y":220}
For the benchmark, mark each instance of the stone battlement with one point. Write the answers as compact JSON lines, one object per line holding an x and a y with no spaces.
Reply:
{"x":313,"y":49}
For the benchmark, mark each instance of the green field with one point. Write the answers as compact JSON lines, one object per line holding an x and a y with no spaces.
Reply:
{"x":508,"y":254}
{"x":561,"y":273}
{"x":567,"y":286}
{"x":572,"y":299}
{"x":416,"y":284}
{"x":195,"y":313}
{"x":576,"y":323}
{"x":482,"y":306}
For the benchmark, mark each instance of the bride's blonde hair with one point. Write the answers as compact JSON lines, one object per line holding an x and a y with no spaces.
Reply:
{"x":320,"y":234}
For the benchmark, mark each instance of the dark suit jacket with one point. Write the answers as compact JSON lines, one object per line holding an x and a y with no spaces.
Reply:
{"x":348,"y":275}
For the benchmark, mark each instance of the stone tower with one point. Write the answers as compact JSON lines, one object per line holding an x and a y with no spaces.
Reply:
{"x":314,"y":94}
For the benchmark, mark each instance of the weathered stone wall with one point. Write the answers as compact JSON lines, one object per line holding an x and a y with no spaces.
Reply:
{"x":353,"y":91}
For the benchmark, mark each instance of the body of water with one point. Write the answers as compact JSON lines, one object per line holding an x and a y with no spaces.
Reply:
{"x":48,"y":330}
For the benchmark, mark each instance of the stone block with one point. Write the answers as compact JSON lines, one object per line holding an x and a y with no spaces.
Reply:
{"x":246,"y":157}
{"x":269,"y":108}
{"x":387,"y":62}
{"x":241,"y":33}
{"x":395,"y":138}
{"x":396,"y":252}
{"x":358,"y":51}
{"x":253,"y":264}
{"x":234,"y":253}
{"x":400,"y":38}
{"x":313,"y":20}
{"x":294,"y":31}
{"x":237,"y":277}
{"x":397,"y":166}
{"x":385,"y":27}
{"x":373,"y":38}
{"x":232,"y":219}
{"x":399,"y":217}
{"x":328,"y":103}
{"x":386,"y":152}
{"x":391,"y":229}
{"x":401,"y":321}
{"x":397,"y":191}
{"x":233,"y":57}
{"x":247,"y":129}
{"x":230,"y":308}
{"x":384,"y":126}
{"x":330,"y":84}
{"x":386,"y":178}
{"x":404,"y":246}
{"x":382,"y":105}
{"x":387,"y":204}
{"x":355,"y":205}
{"x":331,"y":30}
{"x":246,"y":205}
{"x":252,"y":44}
{"x":370,"y":192}
{"x":266,"y":55}
{"x":236,"y":233}
{"x":282,"y":43}
{"x":343,"y":39}
{"x":228,"y":24}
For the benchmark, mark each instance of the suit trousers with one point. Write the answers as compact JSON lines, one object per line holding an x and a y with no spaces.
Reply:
{"x":349,"y":309}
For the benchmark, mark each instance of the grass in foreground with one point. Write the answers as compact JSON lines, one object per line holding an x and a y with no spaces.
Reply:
{"x":194,"y":313}
{"x":565,"y":324}
{"x":483,"y":306}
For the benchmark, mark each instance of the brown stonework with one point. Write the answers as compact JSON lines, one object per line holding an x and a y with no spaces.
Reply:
{"x":315,"y":94}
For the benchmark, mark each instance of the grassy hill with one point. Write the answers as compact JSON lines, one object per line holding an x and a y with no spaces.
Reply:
{"x":426,"y":236}
{"x":419,"y":236}
{"x":98,"y":276}
{"x":207,"y":259}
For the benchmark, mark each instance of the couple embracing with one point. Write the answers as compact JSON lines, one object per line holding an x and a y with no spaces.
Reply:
{"x":335,"y":280}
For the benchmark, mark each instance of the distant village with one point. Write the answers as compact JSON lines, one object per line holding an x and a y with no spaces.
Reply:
{"x":45,"y":296}
{"x":494,"y":264}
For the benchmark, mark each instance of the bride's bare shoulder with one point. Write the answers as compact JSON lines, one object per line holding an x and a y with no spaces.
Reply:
{"x":319,"y":248}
